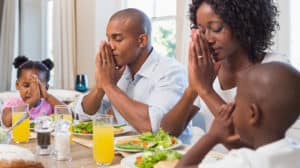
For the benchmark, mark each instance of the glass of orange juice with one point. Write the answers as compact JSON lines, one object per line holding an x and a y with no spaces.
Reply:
{"x":63,"y":112}
{"x":103,"y":140}
{"x":22,"y":131}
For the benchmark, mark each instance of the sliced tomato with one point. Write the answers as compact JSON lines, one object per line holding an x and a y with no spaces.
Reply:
{"x":84,"y":131}
{"x":145,"y":144}
{"x":173,"y":140}
{"x":138,"y":160}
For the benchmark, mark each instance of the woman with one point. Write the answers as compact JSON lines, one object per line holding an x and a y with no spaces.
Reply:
{"x":228,"y":37}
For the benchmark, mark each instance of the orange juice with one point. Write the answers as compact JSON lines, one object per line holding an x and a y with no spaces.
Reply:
{"x":21,"y":132}
{"x":67,"y":117}
{"x":103,"y":141}
{"x":54,"y":117}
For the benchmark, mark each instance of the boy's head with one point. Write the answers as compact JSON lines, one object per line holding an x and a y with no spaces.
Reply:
{"x":267,"y":102}
{"x":26,"y":68}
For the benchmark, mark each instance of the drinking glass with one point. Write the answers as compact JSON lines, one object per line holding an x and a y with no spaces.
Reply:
{"x":103,"y":140}
{"x":63,"y":112}
{"x":21,"y":132}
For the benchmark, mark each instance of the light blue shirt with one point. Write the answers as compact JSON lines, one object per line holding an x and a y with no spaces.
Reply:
{"x":159,"y":83}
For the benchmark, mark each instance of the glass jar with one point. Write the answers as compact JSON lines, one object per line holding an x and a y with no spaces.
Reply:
{"x":62,"y":145}
{"x":43,"y":128}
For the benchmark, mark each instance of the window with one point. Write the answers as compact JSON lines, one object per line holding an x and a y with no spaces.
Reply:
{"x":50,"y":37}
{"x":294,"y":33}
{"x":163,"y":17}
{"x":35,"y":32}
{"x":50,"y":29}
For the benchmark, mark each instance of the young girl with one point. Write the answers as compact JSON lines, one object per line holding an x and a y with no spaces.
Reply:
{"x":32,"y":84}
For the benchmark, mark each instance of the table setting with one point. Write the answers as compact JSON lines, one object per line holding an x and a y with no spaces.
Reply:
{"x":58,"y":141}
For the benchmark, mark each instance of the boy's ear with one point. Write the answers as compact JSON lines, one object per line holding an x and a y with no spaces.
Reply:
{"x":143,"y":40}
{"x":255,"y":114}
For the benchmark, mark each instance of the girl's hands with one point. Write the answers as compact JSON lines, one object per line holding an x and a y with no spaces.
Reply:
{"x":43,"y":90}
{"x":202,"y":69}
{"x":35,"y":92}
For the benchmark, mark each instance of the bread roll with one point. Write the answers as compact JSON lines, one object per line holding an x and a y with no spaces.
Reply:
{"x":12,"y":156}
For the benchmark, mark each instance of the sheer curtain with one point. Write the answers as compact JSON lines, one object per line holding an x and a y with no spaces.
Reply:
{"x":8,"y":41}
{"x":64,"y":43}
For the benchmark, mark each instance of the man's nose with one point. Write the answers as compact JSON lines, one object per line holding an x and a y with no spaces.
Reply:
{"x":112,"y":45}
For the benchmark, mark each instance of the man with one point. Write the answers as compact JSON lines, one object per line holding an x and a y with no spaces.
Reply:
{"x":134,"y":81}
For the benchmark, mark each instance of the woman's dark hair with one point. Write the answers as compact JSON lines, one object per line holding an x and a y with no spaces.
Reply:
{"x":252,"y":22}
{"x":22,"y":62}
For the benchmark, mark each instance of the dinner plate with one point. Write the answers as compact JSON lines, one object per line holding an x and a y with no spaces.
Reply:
{"x":179,"y":143}
{"x":126,"y":130}
{"x":128,"y":162}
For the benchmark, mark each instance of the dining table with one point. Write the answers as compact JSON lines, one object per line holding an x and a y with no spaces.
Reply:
{"x":81,"y":154}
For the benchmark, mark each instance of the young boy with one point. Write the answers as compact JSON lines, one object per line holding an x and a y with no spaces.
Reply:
{"x":267,"y":104}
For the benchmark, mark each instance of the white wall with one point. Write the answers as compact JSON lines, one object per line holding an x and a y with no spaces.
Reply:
{"x":103,"y":13}
{"x":92,"y":17}
{"x":85,"y":16}
{"x":282,"y":37}
{"x":294,"y":33}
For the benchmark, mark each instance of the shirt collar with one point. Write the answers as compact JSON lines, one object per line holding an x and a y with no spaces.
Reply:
{"x":149,"y":65}
{"x":146,"y":69}
{"x":127,"y":73}
{"x":274,"y":146}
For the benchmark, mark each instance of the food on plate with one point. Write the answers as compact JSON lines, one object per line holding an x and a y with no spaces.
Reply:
{"x":17,"y":157}
{"x":147,"y":141}
{"x":83,"y":128}
{"x":87,"y":128}
{"x":118,"y":130}
{"x":32,"y":125}
{"x":133,"y":140}
{"x":152,"y":159}
{"x":166,"y":164}
{"x":134,"y":143}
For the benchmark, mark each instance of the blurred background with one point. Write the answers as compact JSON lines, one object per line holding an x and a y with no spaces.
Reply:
{"x":69,"y":32}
